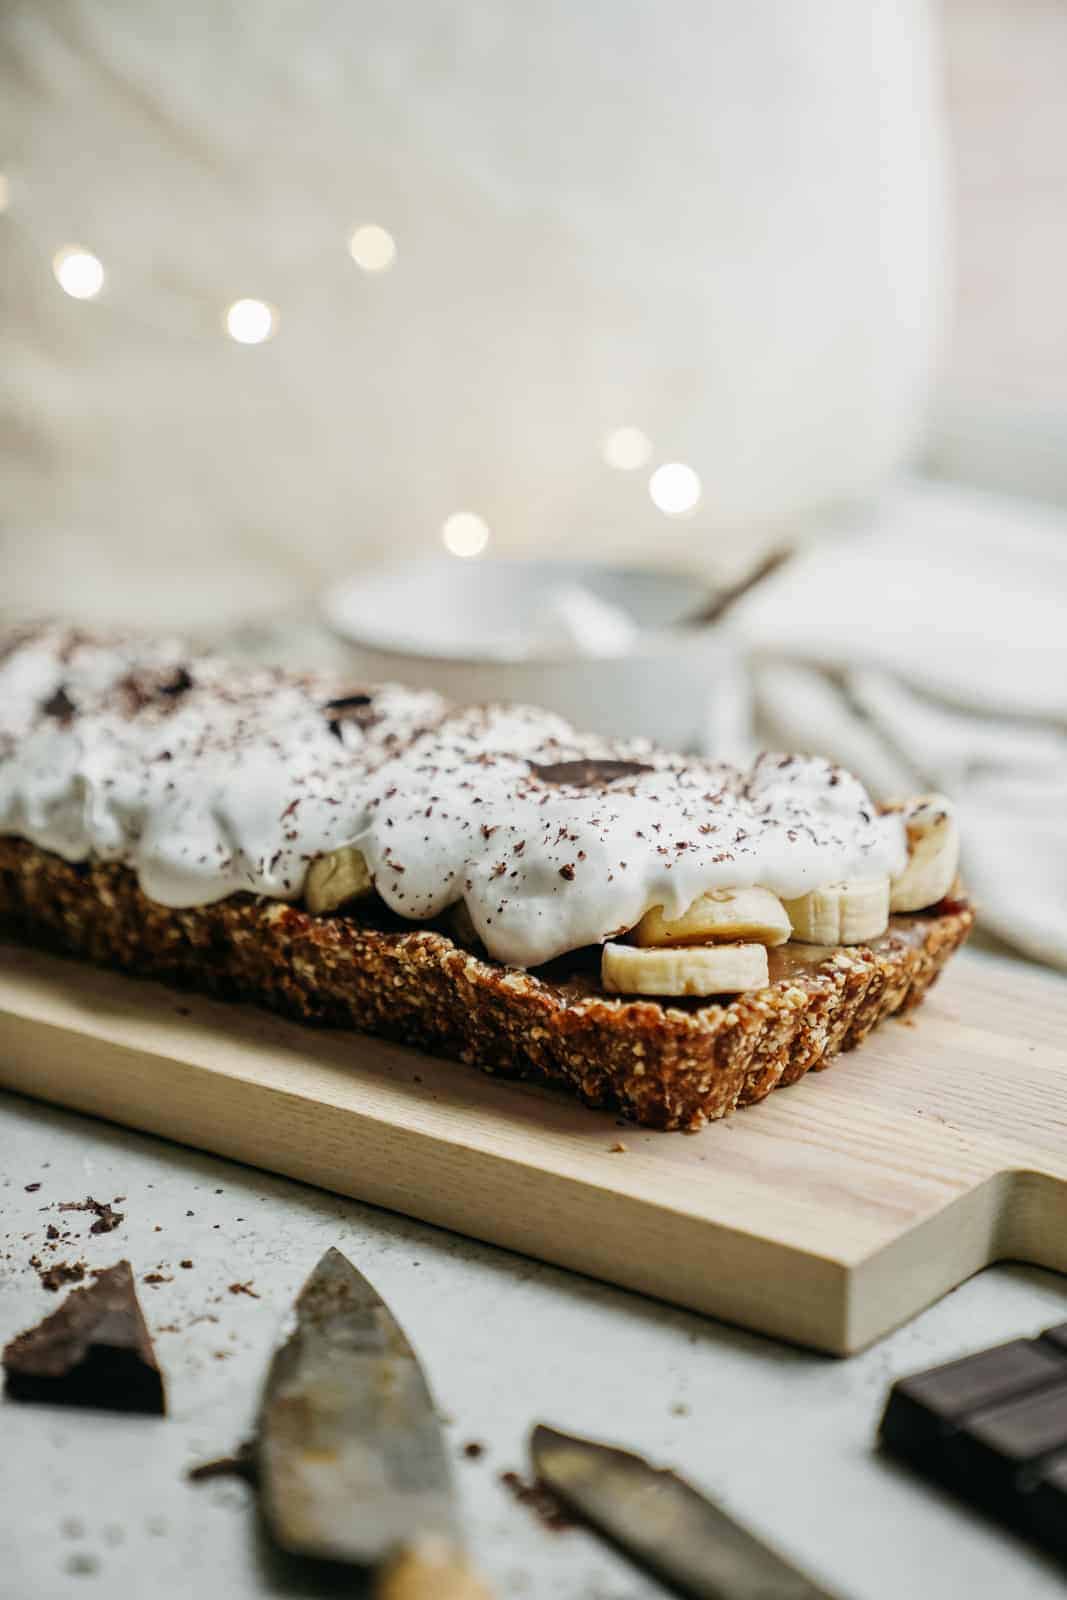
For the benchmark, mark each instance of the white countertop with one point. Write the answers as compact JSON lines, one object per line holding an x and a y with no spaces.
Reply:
{"x":97,"y":1504}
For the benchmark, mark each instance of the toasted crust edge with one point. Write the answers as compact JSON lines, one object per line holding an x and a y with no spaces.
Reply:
{"x":662,"y":1065}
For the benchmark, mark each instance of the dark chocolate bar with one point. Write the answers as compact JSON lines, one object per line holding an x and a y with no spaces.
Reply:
{"x":992,"y":1428}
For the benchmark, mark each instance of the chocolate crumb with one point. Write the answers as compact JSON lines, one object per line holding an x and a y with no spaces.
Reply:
{"x":156,"y":1277}
{"x":473,"y":1450}
{"x":64,"y":1272}
{"x":60,"y":706}
{"x":82,"y":1565}
{"x":242,"y":1464}
{"x":106,"y":1219}
{"x":32,"y":1188}
{"x":186,"y":1264}
{"x":567,"y":871}
{"x":180,"y":683}
{"x":244,"y":1288}
{"x":540,"y":1500}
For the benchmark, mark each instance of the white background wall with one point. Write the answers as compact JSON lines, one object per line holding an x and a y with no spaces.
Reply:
{"x":720,"y":223}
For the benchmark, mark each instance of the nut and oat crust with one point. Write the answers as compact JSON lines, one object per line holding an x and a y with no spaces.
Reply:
{"x":668,"y":1064}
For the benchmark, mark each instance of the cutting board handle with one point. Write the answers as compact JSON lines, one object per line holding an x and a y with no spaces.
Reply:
{"x":433,"y":1569}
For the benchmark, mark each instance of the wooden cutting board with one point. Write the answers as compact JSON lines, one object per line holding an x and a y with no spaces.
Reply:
{"x":827,"y":1215}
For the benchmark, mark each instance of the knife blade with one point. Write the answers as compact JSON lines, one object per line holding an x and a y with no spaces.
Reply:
{"x":663,"y":1523}
{"x":351,"y":1458}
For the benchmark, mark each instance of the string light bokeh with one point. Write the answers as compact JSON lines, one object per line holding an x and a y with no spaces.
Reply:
{"x":465,"y":534}
{"x":674,"y":487}
{"x":78,"y":272}
{"x":251,"y":321}
{"x":372,"y":247}
{"x":626,"y":449}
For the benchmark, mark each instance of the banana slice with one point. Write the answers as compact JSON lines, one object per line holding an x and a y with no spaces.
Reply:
{"x":687,"y":969}
{"x":721,"y":914}
{"x":842,"y":913}
{"x":933,"y":851}
{"x":336,"y":879}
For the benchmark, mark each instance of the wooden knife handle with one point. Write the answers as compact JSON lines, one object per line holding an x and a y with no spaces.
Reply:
{"x":433,"y":1569}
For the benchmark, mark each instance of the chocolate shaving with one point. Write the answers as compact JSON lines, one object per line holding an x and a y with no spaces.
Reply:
{"x":357,"y":708}
{"x":93,"y":1351}
{"x":591,"y":773}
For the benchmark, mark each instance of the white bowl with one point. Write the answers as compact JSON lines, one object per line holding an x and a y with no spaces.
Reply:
{"x":466,"y":629}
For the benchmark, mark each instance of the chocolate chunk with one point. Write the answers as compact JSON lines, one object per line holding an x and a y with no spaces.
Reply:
{"x":591,"y":773}
{"x":60,"y":706}
{"x":93,"y":1351}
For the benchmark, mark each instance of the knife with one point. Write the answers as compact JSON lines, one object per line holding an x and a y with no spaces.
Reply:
{"x":663,"y":1524}
{"x":351,"y":1458}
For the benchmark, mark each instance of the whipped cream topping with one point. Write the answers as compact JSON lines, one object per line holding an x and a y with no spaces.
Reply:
{"x":209,"y":780}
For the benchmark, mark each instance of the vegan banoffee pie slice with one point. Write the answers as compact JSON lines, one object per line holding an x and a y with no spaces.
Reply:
{"x":672,"y":937}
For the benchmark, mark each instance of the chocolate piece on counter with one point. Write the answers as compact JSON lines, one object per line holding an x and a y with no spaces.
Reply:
{"x":587,"y":774}
{"x":925,"y":1409}
{"x":996,"y":1450}
{"x":993,"y":1429}
{"x":93,"y":1351}
{"x":1045,"y":1507}
{"x":1056,"y":1337}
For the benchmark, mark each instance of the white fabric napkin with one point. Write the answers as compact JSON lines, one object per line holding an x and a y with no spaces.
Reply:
{"x":928,"y":650}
